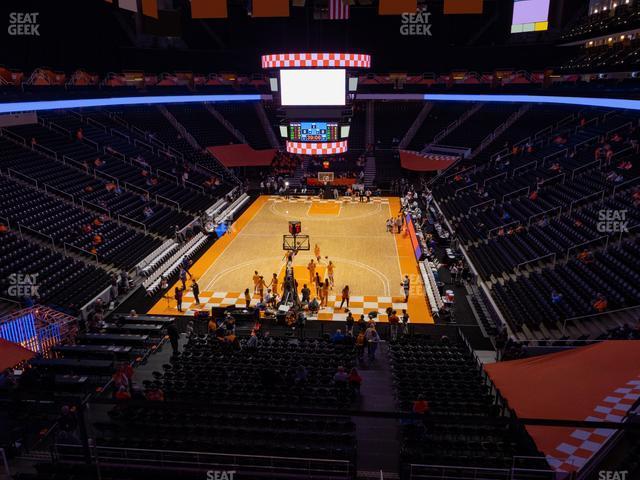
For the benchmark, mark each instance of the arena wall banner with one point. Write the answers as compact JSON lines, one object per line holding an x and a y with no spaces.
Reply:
{"x":242,"y":155}
{"x":598,"y":383}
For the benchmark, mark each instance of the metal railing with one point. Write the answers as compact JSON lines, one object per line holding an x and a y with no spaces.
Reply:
{"x":545,"y":214}
{"x":536,"y":260}
{"x":516,"y":193}
{"x":5,"y":463}
{"x":180,"y":460}
{"x":494,"y":177}
{"x":608,"y":313}
{"x":478,"y":205}
{"x":588,"y":242}
{"x":525,"y":166}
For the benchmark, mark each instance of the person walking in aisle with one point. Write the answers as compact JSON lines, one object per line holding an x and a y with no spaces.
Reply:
{"x":372,"y":339}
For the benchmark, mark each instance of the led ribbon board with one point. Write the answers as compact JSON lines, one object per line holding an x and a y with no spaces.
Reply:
{"x":581,"y":101}
{"x":14,"y":107}
{"x":316,"y":60}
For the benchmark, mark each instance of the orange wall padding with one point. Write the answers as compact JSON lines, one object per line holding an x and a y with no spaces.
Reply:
{"x":270,"y":8}
{"x":397,"y":7}
{"x":462,"y":7}
{"x":209,"y":9}
{"x":150,"y":8}
{"x":416,"y":162}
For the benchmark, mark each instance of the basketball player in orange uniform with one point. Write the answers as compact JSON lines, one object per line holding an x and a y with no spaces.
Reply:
{"x":316,"y":251}
{"x":256,"y":280}
{"x":312,"y":270}
{"x":325,"y":293}
{"x":260,"y":287}
{"x":318,"y":283}
{"x":274,"y":284}
{"x":330,"y":269}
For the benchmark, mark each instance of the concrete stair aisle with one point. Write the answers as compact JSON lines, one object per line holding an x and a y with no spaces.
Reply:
{"x":370,"y":171}
{"x":297,"y":180}
{"x":378,"y":442}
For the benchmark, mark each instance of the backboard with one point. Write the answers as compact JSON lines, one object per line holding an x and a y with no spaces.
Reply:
{"x":297,"y":243}
{"x":325,"y":177}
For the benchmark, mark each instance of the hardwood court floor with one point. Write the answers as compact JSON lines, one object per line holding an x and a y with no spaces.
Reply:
{"x":352,"y":234}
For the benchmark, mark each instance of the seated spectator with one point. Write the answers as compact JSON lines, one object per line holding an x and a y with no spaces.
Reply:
{"x":420,"y":406}
{"x":314,"y":306}
{"x":585,"y":256}
{"x":3,"y":228}
{"x":301,"y":375}
{"x":556,"y":297}
{"x":337,"y":337}
{"x":600,"y":304}
{"x":122,"y":394}
{"x":154,"y":395}
{"x":341,"y":377}
{"x":252,"y":343}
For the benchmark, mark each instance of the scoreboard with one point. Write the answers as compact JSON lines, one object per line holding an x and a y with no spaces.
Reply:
{"x":313,"y":131}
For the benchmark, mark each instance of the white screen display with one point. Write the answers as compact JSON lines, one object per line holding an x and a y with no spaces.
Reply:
{"x":283,"y":131}
{"x":313,"y":87}
{"x":344,"y":131}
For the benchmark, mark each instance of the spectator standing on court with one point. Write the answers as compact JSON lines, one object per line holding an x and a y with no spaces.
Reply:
{"x":196,"y":291}
{"x":345,"y":296}
{"x":178,"y":296}
{"x":406,"y":286}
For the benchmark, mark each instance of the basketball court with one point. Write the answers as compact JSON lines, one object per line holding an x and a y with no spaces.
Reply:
{"x":351,"y":234}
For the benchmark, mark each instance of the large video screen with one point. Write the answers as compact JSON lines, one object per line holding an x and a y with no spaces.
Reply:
{"x":313,"y":131}
{"x":530,"y":16}
{"x":313,"y":87}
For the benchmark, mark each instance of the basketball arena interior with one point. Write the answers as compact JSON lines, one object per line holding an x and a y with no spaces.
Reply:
{"x":320,"y":239}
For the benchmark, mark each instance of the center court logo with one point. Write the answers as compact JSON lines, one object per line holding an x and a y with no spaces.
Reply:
{"x":23,"y":24}
{"x":416,"y":24}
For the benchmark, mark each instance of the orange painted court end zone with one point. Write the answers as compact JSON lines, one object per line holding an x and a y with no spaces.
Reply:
{"x":418,"y":308}
{"x":324,"y":209}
